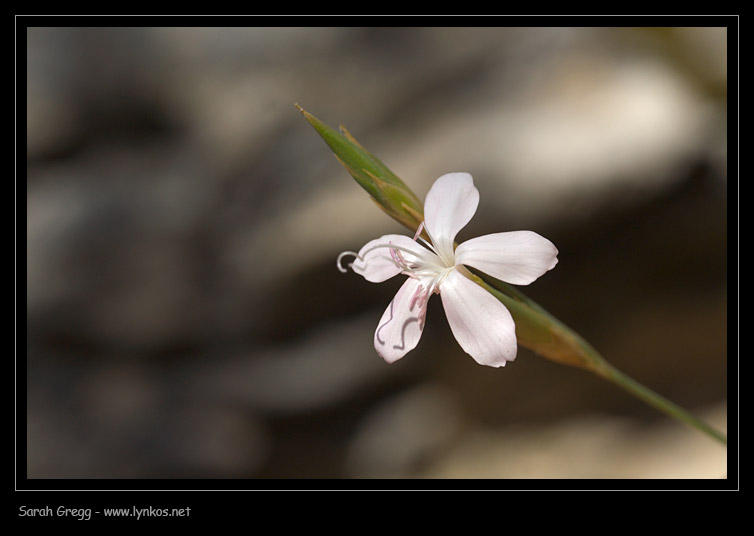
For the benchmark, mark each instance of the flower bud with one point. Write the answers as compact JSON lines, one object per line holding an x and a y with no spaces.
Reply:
{"x":390,"y":192}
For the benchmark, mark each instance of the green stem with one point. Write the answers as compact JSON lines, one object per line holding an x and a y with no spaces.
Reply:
{"x":590,"y":359}
{"x":600,"y":366}
{"x":659,"y":402}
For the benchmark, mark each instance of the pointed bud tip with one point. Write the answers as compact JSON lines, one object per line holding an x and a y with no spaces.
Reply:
{"x":306,"y":114}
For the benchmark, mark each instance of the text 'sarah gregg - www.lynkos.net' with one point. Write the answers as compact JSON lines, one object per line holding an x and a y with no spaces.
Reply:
{"x":85,"y":514}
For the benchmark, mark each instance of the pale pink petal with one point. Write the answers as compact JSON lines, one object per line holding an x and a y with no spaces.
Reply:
{"x":517,"y":257}
{"x":480,"y":323}
{"x":400,"y":327}
{"x":376,"y":263}
{"x":449,"y":206}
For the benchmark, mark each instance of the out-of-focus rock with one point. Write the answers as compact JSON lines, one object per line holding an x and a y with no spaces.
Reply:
{"x":123,"y":420}
{"x":109,"y":243}
{"x":324,"y":368}
{"x":586,"y":447}
{"x":403,"y":431}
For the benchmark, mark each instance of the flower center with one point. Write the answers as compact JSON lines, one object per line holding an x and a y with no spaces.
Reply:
{"x":433,"y":264}
{"x":428,"y":266}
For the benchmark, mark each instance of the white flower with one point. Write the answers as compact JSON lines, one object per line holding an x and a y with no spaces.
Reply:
{"x":480,"y":323}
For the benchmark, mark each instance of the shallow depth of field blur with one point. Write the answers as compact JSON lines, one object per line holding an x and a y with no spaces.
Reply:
{"x":185,"y":315}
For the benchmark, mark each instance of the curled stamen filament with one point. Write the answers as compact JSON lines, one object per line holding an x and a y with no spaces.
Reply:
{"x":396,"y":256}
{"x":340,"y":260}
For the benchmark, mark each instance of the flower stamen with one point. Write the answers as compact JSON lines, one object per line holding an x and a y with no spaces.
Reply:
{"x":417,"y":295}
{"x":419,"y":231}
{"x":338,"y":262}
{"x":398,"y":259}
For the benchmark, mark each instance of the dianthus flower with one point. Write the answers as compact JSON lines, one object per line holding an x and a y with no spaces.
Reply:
{"x":481,"y":324}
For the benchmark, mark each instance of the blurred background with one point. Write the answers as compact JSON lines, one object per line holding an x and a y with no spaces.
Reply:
{"x":185,"y":316}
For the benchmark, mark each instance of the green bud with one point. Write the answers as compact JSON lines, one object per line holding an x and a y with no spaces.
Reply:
{"x":389,"y":191}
